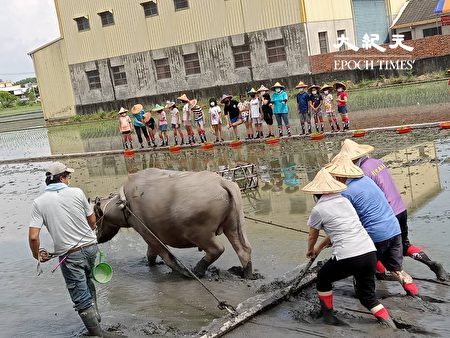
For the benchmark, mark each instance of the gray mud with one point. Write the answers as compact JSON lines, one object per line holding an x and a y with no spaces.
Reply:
{"x":151,"y":300}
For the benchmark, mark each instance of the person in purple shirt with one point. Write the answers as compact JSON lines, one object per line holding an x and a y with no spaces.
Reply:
{"x":379,"y":173}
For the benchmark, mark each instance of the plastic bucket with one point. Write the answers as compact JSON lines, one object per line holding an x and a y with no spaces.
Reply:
{"x":102,"y":272}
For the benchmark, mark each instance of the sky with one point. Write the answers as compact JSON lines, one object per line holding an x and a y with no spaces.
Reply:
{"x":26,"y":25}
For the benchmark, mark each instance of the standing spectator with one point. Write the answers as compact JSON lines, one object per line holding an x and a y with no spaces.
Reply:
{"x":342,"y":98}
{"x":187,"y":118}
{"x":262,"y":90}
{"x":329,"y":106}
{"x":215,"y":114}
{"x":315,"y":104}
{"x":244,"y":108}
{"x":303,"y":107}
{"x":139,"y":125}
{"x":255,"y":112}
{"x":199,"y":119}
{"x":162,"y":124}
{"x":70,"y":220}
{"x":232,"y":113}
{"x":268,"y":113}
{"x":280,"y":108}
{"x":175,"y":121}
{"x":125,"y":128}
{"x":151,"y":126}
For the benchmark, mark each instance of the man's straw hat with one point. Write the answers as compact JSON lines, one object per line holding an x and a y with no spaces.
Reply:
{"x":324,"y":183}
{"x":277,"y":85}
{"x":342,"y":166}
{"x":183,"y":98}
{"x":301,"y":84}
{"x":137,"y":108}
{"x":262,"y":89}
{"x":355,"y":150}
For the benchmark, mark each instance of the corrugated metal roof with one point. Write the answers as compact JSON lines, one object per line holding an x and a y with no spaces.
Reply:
{"x":417,"y":11}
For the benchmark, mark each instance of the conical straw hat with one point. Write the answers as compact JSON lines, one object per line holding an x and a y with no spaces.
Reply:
{"x":355,"y":150}
{"x":301,"y":85}
{"x":158,"y":107}
{"x":324,"y":183}
{"x":277,"y":85}
{"x":183,"y":98}
{"x":137,"y":108}
{"x":262,"y":89}
{"x":252,"y":91}
{"x":123,"y":110}
{"x":342,"y":166}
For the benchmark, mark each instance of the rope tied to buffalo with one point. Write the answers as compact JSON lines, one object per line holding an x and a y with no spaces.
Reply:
{"x":222,"y":305}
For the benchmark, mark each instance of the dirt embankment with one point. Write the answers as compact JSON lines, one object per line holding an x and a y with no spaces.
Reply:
{"x":400,"y":116}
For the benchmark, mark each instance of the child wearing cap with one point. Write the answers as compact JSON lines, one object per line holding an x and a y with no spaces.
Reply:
{"x":125,"y":128}
{"x":187,"y":118}
{"x":151,"y":126}
{"x":342,"y":99}
{"x":303,"y":107}
{"x":232,"y":113}
{"x":175,"y":121}
{"x":329,"y":107}
{"x":315,"y":103}
{"x":162,"y":124}
{"x":215,"y":114}
{"x":353,"y":252}
{"x":280,"y":108}
{"x":244,"y":108}
{"x":199,"y":119}
{"x":255,"y":112}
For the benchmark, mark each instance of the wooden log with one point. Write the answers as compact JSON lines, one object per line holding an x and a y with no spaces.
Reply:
{"x":259,"y":303}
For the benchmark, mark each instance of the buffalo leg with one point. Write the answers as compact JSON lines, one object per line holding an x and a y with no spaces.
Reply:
{"x":243,"y":251}
{"x":213,"y":249}
{"x":170,"y":260}
{"x":151,"y":256}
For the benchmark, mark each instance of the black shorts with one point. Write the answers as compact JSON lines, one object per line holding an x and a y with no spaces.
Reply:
{"x":342,"y":110}
{"x":390,"y":253}
{"x":403,"y":221}
{"x":362,"y":267}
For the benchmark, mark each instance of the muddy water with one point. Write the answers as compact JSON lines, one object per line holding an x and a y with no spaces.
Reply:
{"x":142,"y":300}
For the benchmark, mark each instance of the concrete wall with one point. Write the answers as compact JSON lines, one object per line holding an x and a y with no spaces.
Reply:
{"x":331,"y":27}
{"x":216,"y":63}
{"x":52,"y":73}
{"x":417,"y":31}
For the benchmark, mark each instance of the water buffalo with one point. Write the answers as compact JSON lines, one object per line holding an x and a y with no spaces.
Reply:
{"x":184,"y":210}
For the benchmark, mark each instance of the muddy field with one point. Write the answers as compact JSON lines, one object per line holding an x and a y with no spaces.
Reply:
{"x":142,"y":300}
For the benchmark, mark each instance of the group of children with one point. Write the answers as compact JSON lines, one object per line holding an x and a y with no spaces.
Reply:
{"x":259,"y":107}
{"x":364,"y":217}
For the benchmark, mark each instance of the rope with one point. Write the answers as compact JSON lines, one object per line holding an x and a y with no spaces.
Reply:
{"x":279,"y":225}
{"x":222,"y":305}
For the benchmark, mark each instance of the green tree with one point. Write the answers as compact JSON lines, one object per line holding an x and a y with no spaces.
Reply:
{"x":25,"y":81}
{"x":7,"y":100}
{"x":31,"y":95}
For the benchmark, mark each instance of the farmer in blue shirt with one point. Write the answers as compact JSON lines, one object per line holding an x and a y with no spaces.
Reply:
{"x":138,"y":123}
{"x":280,"y":108}
{"x":303,"y":106}
{"x":376,"y":216}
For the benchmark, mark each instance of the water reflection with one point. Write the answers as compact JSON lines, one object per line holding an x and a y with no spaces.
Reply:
{"x":282,"y":171}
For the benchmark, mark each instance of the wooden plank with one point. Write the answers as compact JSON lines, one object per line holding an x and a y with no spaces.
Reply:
{"x":259,"y":303}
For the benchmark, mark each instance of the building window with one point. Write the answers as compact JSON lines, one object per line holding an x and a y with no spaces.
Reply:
{"x":432,"y":31}
{"x":119,"y":75}
{"x":407,"y":35}
{"x":323,"y":42}
{"x":276,"y":51}
{"x":107,"y":18}
{"x":242,"y":56}
{"x":339,"y":34}
{"x":150,"y":8}
{"x":180,"y":4}
{"x":191,"y":64}
{"x":93,"y":79}
{"x":162,"y":69}
{"x":82,"y":23}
